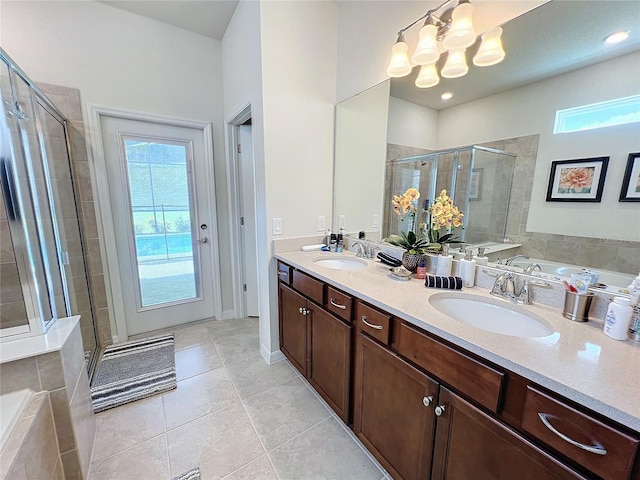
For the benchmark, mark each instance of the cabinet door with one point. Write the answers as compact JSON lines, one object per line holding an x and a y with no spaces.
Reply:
{"x":330,"y":360}
{"x":293,"y":327}
{"x":392,"y":418}
{"x":470,"y":444}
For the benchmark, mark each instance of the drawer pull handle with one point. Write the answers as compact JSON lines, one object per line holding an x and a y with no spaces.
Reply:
{"x":364,"y":320}
{"x":337,"y":305}
{"x":280,"y":272}
{"x":597,"y":449}
{"x":440,"y":410}
{"x":427,"y":400}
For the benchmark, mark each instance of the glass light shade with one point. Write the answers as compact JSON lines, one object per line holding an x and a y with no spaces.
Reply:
{"x":456,"y":65}
{"x":427,"y":49}
{"x":399,"y":66}
{"x":461,"y":34}
{"x":428,"y":76}
{"x":490,"y":51}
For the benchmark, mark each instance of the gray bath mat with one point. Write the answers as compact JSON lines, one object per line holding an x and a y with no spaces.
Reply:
{"x":134,"y":370}
{"x":193,"y":474}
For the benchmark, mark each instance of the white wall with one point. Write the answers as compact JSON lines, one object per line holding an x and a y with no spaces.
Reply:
{"x":412,"y":125}
{"x":242,"y":75}
{"x":360,"y":152}
{"x":530,"y":110}
{"x":119,"y":59}
{"x":299,"y":49}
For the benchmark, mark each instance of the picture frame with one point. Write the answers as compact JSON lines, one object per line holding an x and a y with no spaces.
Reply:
{"x":475,"y":190}
{"x":579,"y":180}
{"x":630,"y":191}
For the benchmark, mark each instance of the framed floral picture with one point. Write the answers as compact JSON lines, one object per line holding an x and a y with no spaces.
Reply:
{"x":580,"y":180}
{"x":631,"y":181}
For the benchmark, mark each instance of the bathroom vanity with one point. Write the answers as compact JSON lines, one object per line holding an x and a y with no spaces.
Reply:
{"x":432,"y":397}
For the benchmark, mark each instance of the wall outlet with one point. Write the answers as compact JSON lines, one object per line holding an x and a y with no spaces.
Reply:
{"x":321,"y":223}
{"x":277,"y":226}
{"x":342,"y":221}
{"x":375,"y":221}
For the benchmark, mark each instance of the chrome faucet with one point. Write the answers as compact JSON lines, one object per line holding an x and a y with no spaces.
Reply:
{"x":532,"y":268}
{"x":361,"y":249}
{"x":504,"y":287}
{"x":510,"y":260}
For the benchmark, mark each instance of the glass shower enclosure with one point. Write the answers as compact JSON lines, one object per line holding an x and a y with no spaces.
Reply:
{"x":43,"y":262}
{"x":477,"y":178}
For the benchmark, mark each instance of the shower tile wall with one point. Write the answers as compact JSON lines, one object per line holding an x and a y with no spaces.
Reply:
{"x":12,"y":307}
{"x":618,"y":256}
{"x":67,"y":100}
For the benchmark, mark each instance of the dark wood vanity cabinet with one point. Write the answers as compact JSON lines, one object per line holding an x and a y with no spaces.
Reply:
{"x":316,"y":342}
{"x":471,"y":444}
{"x":393,"y":410}
{"x":429,"y":409}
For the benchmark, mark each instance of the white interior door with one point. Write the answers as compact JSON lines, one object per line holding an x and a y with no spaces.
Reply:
{"x":248,"y":209}
{"x":162,"y":220}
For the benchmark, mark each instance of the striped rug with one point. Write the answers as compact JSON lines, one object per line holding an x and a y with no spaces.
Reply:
{"x":193,"y":474}
{"x":134,"y":370}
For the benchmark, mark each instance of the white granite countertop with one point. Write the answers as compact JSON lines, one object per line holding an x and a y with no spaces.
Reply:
{"x":577,"y":361}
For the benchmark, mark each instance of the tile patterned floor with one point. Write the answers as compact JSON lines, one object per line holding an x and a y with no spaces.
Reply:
{"x":233,"y":415}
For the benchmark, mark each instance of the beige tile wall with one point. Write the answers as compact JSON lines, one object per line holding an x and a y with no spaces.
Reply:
{"x":31,"y":451}
{"x":68,"y":101}
{"x":618,"y":256}
{"x":64,"y":375}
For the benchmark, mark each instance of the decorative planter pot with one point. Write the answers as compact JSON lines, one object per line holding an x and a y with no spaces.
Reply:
{"x":410,"y":261}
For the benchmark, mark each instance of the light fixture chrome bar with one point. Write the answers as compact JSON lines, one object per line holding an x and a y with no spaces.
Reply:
{"x":429,"y":14}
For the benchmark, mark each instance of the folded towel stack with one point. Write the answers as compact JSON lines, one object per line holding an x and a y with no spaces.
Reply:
{"x":452,"y":283}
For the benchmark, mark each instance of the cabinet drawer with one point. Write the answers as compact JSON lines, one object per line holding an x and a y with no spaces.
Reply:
{"x":309,"y":286}
{"x":602,"y":449}
{"x":479,"y":382}
{"x":374,"y":322}
{"x":339,"y":303}
{"x":284,"y":273}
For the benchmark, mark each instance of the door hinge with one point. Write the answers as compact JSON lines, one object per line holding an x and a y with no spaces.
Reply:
{"x":244,"y":287}
{"x":242,"y":221}
{"x":239,"y":148}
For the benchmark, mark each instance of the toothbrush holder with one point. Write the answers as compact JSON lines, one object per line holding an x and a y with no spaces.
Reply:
{"x":576,"y":307}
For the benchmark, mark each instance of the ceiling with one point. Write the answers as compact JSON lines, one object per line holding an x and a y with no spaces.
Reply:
{"x":555,"y":38}
{"x":206,"y":17}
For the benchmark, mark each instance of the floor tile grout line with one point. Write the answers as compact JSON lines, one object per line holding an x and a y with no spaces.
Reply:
{"x":301,"y":433}
{"x":244,"y":408}
{"x":128,"y":448}
{"x":166,"y":437}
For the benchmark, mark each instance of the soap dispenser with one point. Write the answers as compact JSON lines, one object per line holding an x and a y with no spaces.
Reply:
{"x":468,"y":268}
{"x":481,"y":258}
{"x":444,"y":262}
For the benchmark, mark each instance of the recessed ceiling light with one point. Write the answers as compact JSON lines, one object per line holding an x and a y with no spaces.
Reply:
{"x":616,"y":37}
{"x":446,"y":96}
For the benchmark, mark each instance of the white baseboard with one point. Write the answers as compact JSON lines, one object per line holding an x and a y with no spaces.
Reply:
{"x":228,"y":315}
{"x":271,"y":357}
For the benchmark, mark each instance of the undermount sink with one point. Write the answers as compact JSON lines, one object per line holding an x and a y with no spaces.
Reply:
{"x":490,"y":315}
{"x":341,"y":263}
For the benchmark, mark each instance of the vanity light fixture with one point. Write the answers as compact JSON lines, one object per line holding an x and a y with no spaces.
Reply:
{"x":616,"y":37}
{"x":451,"y":33}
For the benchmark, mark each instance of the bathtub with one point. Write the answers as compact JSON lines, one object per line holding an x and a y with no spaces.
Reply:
{"x":553,"y":268}
{"x":12,"y":406}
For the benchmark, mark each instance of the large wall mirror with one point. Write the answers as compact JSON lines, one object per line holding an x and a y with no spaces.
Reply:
{"x":556,"y":59}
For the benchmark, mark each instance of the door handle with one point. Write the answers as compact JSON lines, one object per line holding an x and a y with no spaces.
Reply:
{"x":202,"y":240}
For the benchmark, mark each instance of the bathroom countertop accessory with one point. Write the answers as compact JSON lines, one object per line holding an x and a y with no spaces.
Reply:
{"x":451,"y":283}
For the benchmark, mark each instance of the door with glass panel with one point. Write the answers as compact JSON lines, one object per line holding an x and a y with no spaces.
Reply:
{"x":162,"y":221}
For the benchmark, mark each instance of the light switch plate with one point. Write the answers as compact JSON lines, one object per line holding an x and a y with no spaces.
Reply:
{"x":321,"y":223}
{"x":342,"y":221}
{"x":375,"y":221}
{"x":277,"y":226}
